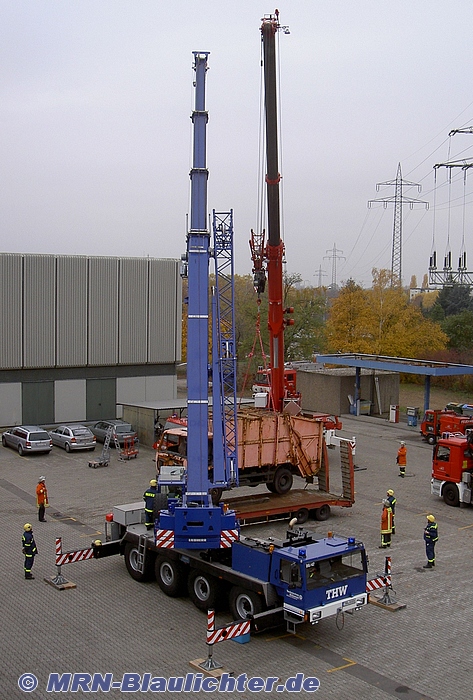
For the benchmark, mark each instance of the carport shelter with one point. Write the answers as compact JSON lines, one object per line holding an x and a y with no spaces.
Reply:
{"x":427,"y":368}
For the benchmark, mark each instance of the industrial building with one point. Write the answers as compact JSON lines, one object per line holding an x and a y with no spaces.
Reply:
{"x":81,"y":334}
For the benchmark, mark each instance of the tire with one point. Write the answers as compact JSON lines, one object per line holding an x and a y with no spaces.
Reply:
{"x":131,"y":562}
{"x":216,"y":495}
{"x":450,"y":495}
{"x":244,"y":603}
{"x":204,"y":591}
{"x":283,"y":480}
{"x":4,"y":442}
{"x":431,"y":439}
{"x":322,"y":513}
{"x":171,"y":576}
{"x":270,"y":486}
{"x":21,"y":451}
{"x":67,"y":447}
{"x":160,"y":503}
{"x":302,"y":516}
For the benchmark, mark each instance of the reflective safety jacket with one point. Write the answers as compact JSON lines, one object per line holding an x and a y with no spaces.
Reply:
{"x":392,"y":501}
{"x":431,"y":532}
{"x":386,"y":521}
{"x":148,"y":498}
{"x":29,"y":545}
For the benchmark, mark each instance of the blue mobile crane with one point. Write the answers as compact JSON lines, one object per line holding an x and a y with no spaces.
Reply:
{"x":197,"y":545}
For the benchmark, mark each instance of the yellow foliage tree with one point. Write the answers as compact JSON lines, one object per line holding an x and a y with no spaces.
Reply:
{"x":381,"y":321}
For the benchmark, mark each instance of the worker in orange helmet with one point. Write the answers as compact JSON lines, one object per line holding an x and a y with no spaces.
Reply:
{"x":386,"y":525}
{"x":42,"y":498}
{"x":401,"y":459}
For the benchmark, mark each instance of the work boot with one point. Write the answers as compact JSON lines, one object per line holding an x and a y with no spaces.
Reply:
{"x":29,"y":576}
{"x":427,"y":566}
{"x":433,"y":563}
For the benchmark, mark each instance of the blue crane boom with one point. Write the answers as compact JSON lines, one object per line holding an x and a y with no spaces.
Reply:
{"x":193,"y":522}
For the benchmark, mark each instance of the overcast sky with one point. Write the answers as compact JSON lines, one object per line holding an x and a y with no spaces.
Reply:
{"x":95,"y":99}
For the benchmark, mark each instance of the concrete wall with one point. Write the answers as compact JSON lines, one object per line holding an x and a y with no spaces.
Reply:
{"x":328,"y":390}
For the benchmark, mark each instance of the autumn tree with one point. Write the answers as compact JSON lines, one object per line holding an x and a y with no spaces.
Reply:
{"x":347,"y":326}
{"x":381,"y":321}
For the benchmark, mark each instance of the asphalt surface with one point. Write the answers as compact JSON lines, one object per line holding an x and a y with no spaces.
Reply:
{"x":111,"y":624}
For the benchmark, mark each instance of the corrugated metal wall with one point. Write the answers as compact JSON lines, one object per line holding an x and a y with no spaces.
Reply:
{"x":133,"y":311}
{"x":39,"y":310}
{"x":103,"y":311}
{"x":164,"y":292}
{"x":11,"y":315}
{"x":71,"y":311}
{"x":75,"y":311}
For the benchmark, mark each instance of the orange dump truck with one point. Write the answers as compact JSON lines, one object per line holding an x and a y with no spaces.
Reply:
{"x":272,"y":448}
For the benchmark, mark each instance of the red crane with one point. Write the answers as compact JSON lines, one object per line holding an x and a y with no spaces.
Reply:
{"x":268,"y":260}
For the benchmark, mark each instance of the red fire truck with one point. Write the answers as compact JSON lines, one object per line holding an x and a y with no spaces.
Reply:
{"x":452,"y":468}
{"x":436,"y":423}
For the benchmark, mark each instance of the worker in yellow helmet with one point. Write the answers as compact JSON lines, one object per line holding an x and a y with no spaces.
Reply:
{"x":29,"y":549}
{"x":386,"y":525}
{"x":149,"y":498}
{"x":392,"y":500}
{"x":431,"y":535}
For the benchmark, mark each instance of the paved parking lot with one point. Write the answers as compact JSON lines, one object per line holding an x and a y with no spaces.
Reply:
{"x":111,"y":624}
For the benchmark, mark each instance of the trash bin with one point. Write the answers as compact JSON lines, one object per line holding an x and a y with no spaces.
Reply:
{"x":393,"y":414}
{"x":412,"y":416}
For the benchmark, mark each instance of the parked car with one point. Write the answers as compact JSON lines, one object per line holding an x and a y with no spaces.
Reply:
{"x":27,"y":438}
{"x":73,"y":437}
{"x":120,"y":430}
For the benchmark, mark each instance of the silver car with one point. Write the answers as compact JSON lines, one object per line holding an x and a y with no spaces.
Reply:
{"x":120,"y":430}
{"x":73,"y":437}
{"x":27,"y":438}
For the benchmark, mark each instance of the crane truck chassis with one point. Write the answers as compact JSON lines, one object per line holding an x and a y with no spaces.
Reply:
{"x":270,"y":581}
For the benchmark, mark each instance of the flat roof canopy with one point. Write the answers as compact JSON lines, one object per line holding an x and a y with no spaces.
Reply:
{"x":428,"y":368}
{"x":395,"y":364}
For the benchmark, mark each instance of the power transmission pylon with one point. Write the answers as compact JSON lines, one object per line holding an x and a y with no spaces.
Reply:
{"x":320,"y":273}
{"x":334,"y":257}
{"x":398,"y":200}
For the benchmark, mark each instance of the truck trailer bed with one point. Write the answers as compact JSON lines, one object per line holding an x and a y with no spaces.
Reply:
{"x":297,"y":503}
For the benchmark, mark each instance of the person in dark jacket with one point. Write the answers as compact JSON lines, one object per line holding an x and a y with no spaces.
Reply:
{"x":392,"y":501}
{"x":29,"y":549}
{"x":431,"y":535}
{"x":149,"y":498}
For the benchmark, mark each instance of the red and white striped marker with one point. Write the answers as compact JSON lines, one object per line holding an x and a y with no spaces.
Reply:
{"x":71,"y":557}
{"x":221,"y":634}
{"x":380,"y":581}
{"x":165,"y":539}
{"x":228,"y":537}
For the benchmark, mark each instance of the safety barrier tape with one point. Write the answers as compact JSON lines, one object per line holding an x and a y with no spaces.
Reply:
{"x":381,"y":581}
{"x":221,"y":634}
{"x":73,"y":556}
